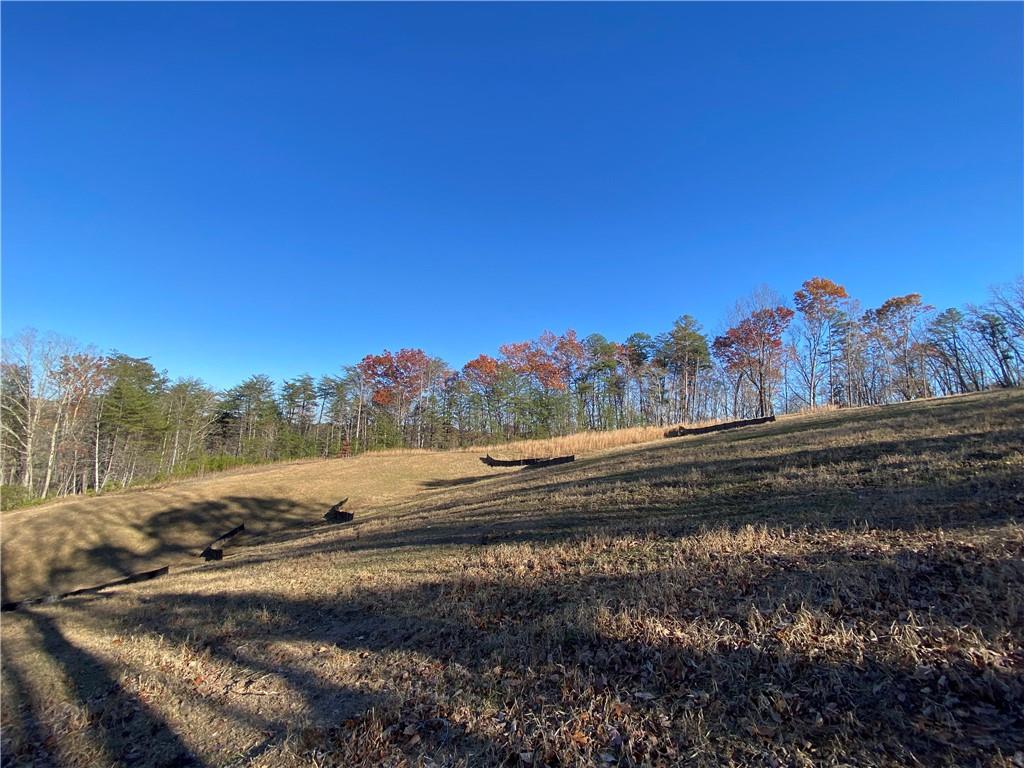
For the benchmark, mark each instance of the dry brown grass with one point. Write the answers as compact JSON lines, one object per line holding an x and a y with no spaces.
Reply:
{"x":837,"y":589}
{"x":81,"y":542}
{"x":580,"y":443}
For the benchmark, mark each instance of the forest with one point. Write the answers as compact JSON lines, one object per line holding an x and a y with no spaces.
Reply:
{"x":75,"y":420}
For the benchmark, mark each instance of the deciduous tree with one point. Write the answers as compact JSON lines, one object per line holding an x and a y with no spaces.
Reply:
{"x":753,"y":349}
{"x":818,"y":302}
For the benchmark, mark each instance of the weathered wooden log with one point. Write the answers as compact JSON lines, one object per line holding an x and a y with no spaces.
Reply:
{"x":214,"y":553}
{"x":492,"y":462}
{"x":131,"y":579}
{"x":550,"y":462}
{"x":230,"y":534}
{"x":681,"y":431}
{"x":337,"y":515}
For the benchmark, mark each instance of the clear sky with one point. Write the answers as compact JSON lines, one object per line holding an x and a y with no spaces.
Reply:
{"x":240,"y":188}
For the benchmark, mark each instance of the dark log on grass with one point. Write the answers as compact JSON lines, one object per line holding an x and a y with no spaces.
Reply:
{"x":537,"y":463}
{"x":337,"y":515}
{"x":131,"y":579}
{"x":214,"y":553}
{"x":233,"y":532}
{"x":681,"y":431}
{"x":492,"y":462}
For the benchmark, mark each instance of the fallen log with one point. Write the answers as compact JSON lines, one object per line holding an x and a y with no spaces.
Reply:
{"x":550,"y":462}
{"x":492,"y":462}
{"x":681,"y":431}
{"x":215,"y":553}
{"x":131,"y":579}
{"x":337,"y":515}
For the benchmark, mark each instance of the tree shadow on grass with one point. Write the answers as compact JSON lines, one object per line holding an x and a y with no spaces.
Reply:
{"x":123,"y":729}
{"x":950,"y":705}
{"x":682,"y":494}
{"x":953,"y":412}
{"x":774,"y":480}
{"x":519,"y":507}
{"x":174,"y":536}
{"x":758,"y":690}
{"x":455,"y":482}
{"x":32,"y":736}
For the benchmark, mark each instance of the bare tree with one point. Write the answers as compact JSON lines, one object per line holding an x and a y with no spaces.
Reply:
{"x":28,"y":386}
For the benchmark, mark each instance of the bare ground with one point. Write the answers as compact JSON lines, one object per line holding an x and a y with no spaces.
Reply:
{"x":841,"y":589}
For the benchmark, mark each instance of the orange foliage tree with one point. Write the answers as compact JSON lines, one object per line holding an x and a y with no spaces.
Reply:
{"x":892,"y":328}
{"x":818,"y":302}
{"x":753,"y":349}
{"x":398,"y":379}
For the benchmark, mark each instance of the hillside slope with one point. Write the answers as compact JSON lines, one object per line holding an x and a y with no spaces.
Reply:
{"x":84,"y":541}
{"x":840,"y":588}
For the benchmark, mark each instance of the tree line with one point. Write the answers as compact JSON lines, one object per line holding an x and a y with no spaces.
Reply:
{"x":77,"y":421}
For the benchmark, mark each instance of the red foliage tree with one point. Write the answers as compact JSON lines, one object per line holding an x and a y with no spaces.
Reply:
{"x":397,"y":379}
{"x":481,"y":372}
{"x":753,"y":349}
{"x":536,"y":360}
{"x":570,"y":356}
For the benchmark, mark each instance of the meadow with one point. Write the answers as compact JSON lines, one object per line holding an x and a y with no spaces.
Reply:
{"x":839,"y":588}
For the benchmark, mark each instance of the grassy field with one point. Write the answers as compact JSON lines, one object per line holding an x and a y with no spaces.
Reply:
{"x":82,"y":542}
{"x":837,"y":589}
{"x":580,"y":443}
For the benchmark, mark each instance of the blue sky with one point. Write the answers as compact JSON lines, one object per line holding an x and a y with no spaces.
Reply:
{"x":240,"y":188}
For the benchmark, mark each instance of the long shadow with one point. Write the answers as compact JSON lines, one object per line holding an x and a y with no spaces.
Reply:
{"x":732,"y":472}
{"x":729,"y":492}
{"x":455,"y":482}
{"x":174,"y":536}
{"x":837,"y":702}
{"x":897,"y":416}
{"x":883,"y":695}
{"x":663,"y":464}
{"x":127,"y":729}
{"x":31,"y":736}
{"x":670,"y":466}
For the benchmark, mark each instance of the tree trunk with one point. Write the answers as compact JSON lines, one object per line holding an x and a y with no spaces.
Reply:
{"x":51,"y":458}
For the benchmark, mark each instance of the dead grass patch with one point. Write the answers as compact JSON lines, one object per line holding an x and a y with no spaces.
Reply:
{"x":580,"y":443}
